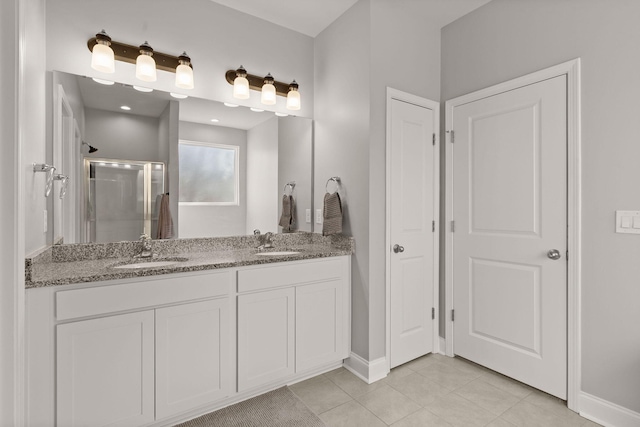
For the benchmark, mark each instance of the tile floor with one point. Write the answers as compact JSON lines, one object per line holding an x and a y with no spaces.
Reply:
{"x":433,"y":390}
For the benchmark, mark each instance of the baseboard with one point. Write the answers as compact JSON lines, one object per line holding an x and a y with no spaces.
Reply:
{"x":606,"y":413}
{"x":368,"y":372}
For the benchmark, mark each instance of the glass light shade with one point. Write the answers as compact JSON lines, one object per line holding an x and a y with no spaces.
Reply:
{"x":293,"y":100}
{"x":184,"y":76}
{"x":146,"y":68}
{"x":102,"y":58}
{"x":268,"y":94}
{"x":241,"y":88}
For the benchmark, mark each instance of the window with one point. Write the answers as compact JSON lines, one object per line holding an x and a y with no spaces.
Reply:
{"x":208,"y":173}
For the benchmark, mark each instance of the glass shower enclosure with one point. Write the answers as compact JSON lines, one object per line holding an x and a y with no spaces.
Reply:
{"x":122,"y":199}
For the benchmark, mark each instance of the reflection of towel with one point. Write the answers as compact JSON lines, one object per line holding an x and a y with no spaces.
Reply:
{"x":288,"y":216}
{"x":332,"y":216}
{"x":165,"y":223}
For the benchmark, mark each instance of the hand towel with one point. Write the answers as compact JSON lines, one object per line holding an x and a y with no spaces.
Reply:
{"x":165,"y":223}
{"x":332,"y":215}
{"x":287,"y":218}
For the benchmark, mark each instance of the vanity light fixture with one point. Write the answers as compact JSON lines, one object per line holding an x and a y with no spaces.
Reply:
{"x":125,"y":108}
{"x":256,"y":110}
{"x":146,"y":59}
{"x":241,"y":84}
{"x":268,"y":96}
{"x":281,"y":114}
{"x":178,"y":95}
{"x":293,"y":97}
{"x":184,"y":73}
{"x":102,"y":56}
{"x":267,"y":85}
{"x":103,"y":81}
{"x":145,"y":64}
{"x":228,"y":104}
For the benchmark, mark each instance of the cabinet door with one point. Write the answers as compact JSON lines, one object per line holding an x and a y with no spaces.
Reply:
{"x":193,"y":363}
{"x":319,"y":324}
{"x":105,"y":370}
{"x":265,"y":337}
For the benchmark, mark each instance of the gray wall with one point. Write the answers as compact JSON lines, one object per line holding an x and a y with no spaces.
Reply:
{"x":294,"y":158}
{"x":210,"y":221}
{"x":509,"y":38}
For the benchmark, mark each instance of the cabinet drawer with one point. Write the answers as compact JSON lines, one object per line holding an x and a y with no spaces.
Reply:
{"x":130,"y":296}
{"x":296,"y":273}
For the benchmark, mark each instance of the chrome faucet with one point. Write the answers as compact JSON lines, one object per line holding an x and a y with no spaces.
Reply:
{"x":146,"y":251}
{"x":265,"y":241}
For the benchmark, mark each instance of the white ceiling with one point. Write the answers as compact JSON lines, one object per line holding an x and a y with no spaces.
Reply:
{"x":308,"y":17}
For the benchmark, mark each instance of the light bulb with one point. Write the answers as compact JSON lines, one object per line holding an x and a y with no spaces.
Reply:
{"x":102,"y":57}
{"x":268,"y":91}
{"x":184,"y":73}
{"x":293,"y":97}
{"x":145,"y":65}
{"x":241,"y":84}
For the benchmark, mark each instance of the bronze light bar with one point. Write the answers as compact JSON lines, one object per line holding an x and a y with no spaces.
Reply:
{"x":256,"y":82}
{"x":128,"y":53}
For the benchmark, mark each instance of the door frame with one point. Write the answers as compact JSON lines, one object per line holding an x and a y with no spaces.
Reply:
{"x":435,"y":106}
{"x":572,"y":70}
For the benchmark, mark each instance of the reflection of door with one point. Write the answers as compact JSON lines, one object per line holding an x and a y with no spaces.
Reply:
{"x":510,"y":209}
{"x":412,"y":194}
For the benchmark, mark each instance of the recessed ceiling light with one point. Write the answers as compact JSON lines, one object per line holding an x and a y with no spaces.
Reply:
{"x":257,"y":110}
{"x":178,"y":95}
{"x":127,"y":166}
{"x":103,"y":82}
{"x":228,"y":104}
{"x":115,"y":165}
{"x":158,"y":167}
{"x":142,"y":89}
{"x":102,"y":164}
{"x":125,"y":107}
{"x":281,"y":114}
{"x":215,"y":120}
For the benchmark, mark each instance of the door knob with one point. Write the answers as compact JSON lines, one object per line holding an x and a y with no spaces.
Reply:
{"x":554,"y":254}
{"x":398,"y":248}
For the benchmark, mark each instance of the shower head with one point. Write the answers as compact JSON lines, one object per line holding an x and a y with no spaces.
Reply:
{"x":91,"y":148}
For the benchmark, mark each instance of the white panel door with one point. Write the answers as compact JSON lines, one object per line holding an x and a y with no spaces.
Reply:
{"x":105,"y":371}
{"x":412,"y":196}
{"x":509,"y":207}
{"x":193,"y":363}
{"x":319,"y":324}
{"x":265,"y":337}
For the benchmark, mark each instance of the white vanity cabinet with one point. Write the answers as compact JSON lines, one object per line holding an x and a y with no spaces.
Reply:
{"x":292,"y":318}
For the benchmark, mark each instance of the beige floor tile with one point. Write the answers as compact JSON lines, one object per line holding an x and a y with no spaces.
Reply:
{"x":423,"y":362}
{"x":499,"y":422}
{"x":487,"y":396}
{"x":335,"y":372}
{"x":526,"y":414}
{"x":589,"y":423}
{"x":460,"y":412}
{"x":351,"y":384}
{"x":320,"y":394}
{"x":554,"y":405}
{"x":422,"y":418}
{"x":507,"y":384}
{"x":351,"y":414}
{"x":419,"y":389}
{"x":465,"y":365}
{"x":447,"y":375}
{"x":388,"y":404}
{"x":397,"y":373}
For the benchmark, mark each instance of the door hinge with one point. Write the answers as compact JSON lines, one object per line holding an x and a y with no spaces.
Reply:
{"x":433,"y":226}
{"x":453,"y":315}
{"x":453,"y":226}
{"x":453,"y":137}
{"x":433,"y":140}
{"x":567,"y":254}
{"x":433,"y":313}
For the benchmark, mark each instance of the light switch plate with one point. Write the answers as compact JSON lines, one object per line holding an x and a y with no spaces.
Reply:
{"x":318,"y":216}
{"x":628,"y":222}
{"x":307,"y":216}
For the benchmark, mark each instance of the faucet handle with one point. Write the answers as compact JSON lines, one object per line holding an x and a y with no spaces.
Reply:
{"x":144,"y":236}
{"x":256,"y":232}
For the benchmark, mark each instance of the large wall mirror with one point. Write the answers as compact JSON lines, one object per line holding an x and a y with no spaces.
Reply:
{"x":134,"y":157}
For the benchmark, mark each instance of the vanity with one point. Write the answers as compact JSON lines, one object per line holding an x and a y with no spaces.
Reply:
{"x":215,"y":323}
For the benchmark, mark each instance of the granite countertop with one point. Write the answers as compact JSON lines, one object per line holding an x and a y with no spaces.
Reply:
{"x":82,"y":263}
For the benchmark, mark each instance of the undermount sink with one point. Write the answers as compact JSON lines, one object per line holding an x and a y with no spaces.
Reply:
{"x":277,"y":253}
{"x":151,"y":264}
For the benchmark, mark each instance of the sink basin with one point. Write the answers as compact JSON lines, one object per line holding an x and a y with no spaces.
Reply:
{"x":152,"y":264}
{"x":277,"y":253}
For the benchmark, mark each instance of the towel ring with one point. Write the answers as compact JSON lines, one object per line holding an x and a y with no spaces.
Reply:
{"x":335,"y":179}
{"x":291,"y":184}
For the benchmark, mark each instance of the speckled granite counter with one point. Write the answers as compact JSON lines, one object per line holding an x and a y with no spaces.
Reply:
{"x":93,"y":262}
